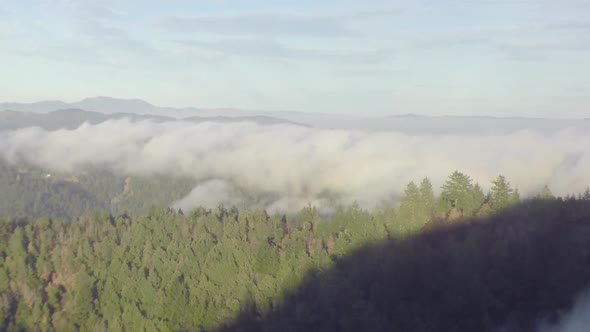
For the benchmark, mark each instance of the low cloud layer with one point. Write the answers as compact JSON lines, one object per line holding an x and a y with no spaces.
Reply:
{"x":576,"y":320}
{"x":291,"y":166}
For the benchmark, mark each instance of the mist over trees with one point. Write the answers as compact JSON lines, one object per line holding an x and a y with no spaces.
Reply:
{"x":283,"y":167}
{"x":35,"y":192}
{"x":332,"y":166}
{"x":189,"y":225}
{"x":245,"y":269}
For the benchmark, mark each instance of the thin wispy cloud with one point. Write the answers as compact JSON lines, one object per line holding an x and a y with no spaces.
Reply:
{"x":267,"y":48}
{"x":260,"y":24}
{"x":448,"y":50}
{"x":290,"y":23}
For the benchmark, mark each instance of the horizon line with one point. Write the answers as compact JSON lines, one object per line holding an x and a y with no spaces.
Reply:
{"x":278,"y":111}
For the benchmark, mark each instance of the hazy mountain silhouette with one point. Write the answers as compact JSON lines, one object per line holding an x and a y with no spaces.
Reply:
{"x":406,"y":123}
{"x":260,"y":119}
{"x":94,"y":104}
{"x":73,"y":118}
{"x":108,"y":105}
{"x":64,"y":119}
{"x":510,"y":272}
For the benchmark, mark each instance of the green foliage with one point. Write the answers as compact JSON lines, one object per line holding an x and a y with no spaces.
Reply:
{"x":502,"y":195}
{"x":36,"y":192}
{"x":459,"y":192}
{"x":166,"y":270}
{"x":416,"y":207}
{"x":546,"y":194}
{"x":410,"y":206}
{"x":507,"y":271}
{"x":427,"y":197}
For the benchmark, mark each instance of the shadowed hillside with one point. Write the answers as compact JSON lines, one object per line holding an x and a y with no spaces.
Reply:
{"x":246,"y":270}
{"x":511,"y":270}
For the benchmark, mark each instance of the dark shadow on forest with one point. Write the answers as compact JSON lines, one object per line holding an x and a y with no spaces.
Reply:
{"x":512,"y":269}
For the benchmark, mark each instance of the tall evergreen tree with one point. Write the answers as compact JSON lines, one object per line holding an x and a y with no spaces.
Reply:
{"x":546,"y":193}
{"x":502,"y":194}
{"x":516,"y":195}
{"x":427,"y":197}
{"x":478,"y":199}
{"x":413,"y":210}
{"x":458,"y":192}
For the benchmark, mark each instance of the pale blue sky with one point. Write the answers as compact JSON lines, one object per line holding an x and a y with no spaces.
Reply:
{"x":477,"y":57}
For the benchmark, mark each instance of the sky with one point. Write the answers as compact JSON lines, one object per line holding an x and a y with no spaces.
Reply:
{"x":443,"y":57}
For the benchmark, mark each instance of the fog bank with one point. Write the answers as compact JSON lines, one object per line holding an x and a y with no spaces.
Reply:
{"x":576,"y":320}
{"x":292,"y":166}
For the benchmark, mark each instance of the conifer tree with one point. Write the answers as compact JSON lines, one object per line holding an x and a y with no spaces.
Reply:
{"x":478,"y":198}
{"x":427,"y":197}
{"x":502,"y":194}
{"x":546,"y":194}
{"x":458,"y":192}
{"x":516,"y":195}
{"x":409,"y":210}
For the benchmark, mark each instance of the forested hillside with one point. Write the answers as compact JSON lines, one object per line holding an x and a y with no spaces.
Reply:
{"x":459,"y":261}
{"x":34,"y":192}
{"x":520,"y":270}
{"x":262,"y":166}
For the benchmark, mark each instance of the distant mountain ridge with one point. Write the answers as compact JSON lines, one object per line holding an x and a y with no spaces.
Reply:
{"x":101,"y":108}
{"x":73,"y":118}
{"x":106,"y":105}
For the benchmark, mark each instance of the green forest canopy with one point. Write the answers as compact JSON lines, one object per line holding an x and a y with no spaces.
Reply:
{"x":168,"y":270}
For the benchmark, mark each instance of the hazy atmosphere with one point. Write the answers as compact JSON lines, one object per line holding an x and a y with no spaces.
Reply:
{"x":219,"y":165}
{"x":297,"y":165}
{"x":453,"y":57}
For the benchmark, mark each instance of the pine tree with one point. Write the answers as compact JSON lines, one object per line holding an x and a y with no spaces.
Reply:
{"x":516,"y":195}
{"x":427,"y":197}
{"x":546,"y":194}
{"x":502,"y":195}
{"x":413,"y":213}
{"x":478,"y":199}
{"x":458,"y":192}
